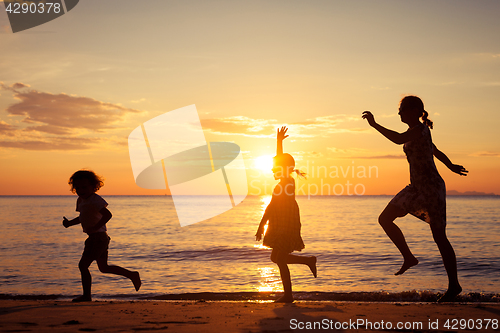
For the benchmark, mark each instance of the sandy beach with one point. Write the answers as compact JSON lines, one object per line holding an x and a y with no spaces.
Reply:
{"x":244,"y":316}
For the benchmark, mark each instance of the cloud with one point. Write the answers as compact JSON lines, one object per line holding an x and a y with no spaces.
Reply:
{"x":488,"y":55}
{"x":141,"y":100}
{"x":6,"y":129}
{"x":381,"y":157}
{"x":301,"y":155}
{"x":485,"y":154}
{"x":64,"y":111}
{"x":490,"y":84}
{"x":46,"y":121}
{"x":48,"y":129}
{"x":266,"y":128}
{"x":337,"y":150}
{"x":18,"y":85}
{"x":359,"y":153}
{"x":328,"y":125}
{"x":241,"y":125}
{"x":52,"y":144}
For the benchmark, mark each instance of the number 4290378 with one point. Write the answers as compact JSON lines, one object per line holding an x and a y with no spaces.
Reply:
{"x":33,"y":8}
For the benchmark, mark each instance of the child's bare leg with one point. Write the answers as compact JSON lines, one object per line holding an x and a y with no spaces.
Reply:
{"x":309,"y":261}
{"x":386,"y":220}
{"x":450,"y":263}
{"x":280,"y":258}
{"x":102,"y":263}
{"x":84,"y":265}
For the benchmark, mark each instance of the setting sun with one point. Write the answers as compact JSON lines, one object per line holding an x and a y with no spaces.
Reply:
{"x":264,"y":163}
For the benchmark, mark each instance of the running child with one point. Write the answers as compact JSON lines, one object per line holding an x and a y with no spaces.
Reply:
{"x":93,"y":218}
{"x":283,"y":232}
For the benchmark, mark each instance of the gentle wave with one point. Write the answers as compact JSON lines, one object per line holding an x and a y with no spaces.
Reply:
{"x":407,"y":296}
{"x":40,"y":257}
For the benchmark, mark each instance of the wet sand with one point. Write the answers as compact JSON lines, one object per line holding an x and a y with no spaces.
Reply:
{"x":243,"y":316}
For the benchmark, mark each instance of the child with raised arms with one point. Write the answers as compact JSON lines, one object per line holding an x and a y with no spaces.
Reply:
{"x":283,"y":232}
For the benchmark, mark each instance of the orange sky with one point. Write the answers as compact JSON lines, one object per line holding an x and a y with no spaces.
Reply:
{"x":73,"y":89}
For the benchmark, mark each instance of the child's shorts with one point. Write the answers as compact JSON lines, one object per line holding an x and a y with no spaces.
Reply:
{"x":96,"y":246}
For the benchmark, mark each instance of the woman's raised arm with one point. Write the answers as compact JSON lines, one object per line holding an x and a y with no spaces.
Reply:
{"x":398,"y":138}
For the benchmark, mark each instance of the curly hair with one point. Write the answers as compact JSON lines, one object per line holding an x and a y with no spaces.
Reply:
{"x":94,"y":180}
{"x":414,"y":102}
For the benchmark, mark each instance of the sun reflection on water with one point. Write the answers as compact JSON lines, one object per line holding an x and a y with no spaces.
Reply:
{"x":260,"y":246}
{"x":269,"y":279}
{"x":266,"y":199}
{"x":265,"y":202}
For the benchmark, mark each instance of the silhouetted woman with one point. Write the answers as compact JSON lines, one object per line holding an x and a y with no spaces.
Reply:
{"x":425,"y":197}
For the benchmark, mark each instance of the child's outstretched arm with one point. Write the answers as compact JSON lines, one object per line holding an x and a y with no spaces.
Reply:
{"x":68,"y":223}
{"x":446,"y":161}
{"x":281,"y":135}
{"x":106,"y":216}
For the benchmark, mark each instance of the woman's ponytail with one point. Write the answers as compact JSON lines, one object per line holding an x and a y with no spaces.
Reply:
{"x":300,"y":173}
{"x":426,"y":120}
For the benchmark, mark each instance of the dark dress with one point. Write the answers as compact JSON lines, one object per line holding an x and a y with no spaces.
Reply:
{"x":425,"y":197}
{"x":283,"y":231}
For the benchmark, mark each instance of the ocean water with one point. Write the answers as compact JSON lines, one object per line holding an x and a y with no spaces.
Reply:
{"x":38,"y":256}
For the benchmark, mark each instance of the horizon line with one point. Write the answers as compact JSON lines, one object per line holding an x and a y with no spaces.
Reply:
{"x":459,"y":194}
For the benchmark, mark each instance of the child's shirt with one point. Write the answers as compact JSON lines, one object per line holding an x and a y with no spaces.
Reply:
{"x":89,"y":211}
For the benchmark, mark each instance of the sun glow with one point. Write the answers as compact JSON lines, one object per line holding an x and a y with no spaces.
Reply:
{"x":264,"y":163}
{"x":265,"y":201}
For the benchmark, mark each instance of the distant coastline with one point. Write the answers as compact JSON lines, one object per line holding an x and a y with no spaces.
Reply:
{"x":470,"y":193}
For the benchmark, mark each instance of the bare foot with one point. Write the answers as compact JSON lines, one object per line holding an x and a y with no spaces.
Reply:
{"x":312,"y":266}
{"x":136,"y":280}
{"x":284,"y":299}
{"x":407,"y":265}
{"x":83,"y":298}
{"x":450,"y":295}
